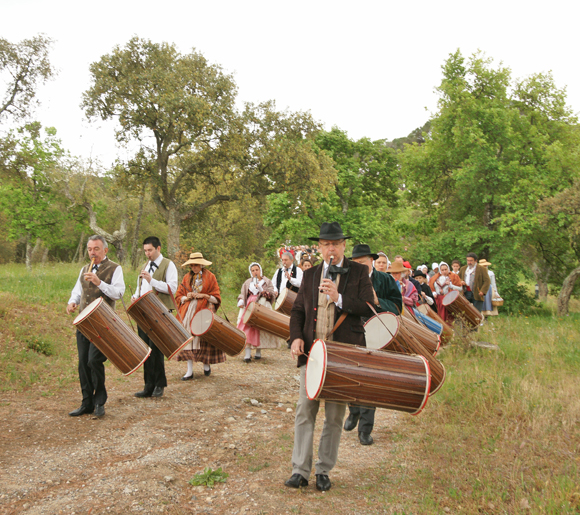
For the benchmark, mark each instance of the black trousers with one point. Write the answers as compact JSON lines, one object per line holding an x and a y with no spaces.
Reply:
{"x":367,"y":418}
{"x":91,"y":372}
{"x":154,"y":366}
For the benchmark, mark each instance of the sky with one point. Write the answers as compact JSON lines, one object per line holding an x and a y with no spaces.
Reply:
{"x":368,"y":67}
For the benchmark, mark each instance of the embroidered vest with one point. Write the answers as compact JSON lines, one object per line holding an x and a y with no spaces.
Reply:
{"x":90,"y":291}
{"x":160,"y":275}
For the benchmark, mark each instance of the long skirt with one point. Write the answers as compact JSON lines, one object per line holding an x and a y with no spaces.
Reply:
{"x":265,"y":340}
{"x":442,"y":311}
{"x":488,"y":308}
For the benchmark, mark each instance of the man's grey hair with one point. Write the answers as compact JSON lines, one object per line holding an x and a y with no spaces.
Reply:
{"x":96,"y":237}
{"x":289,"y":255}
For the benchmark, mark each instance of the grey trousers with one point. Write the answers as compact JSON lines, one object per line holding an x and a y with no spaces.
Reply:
{"x":306,"y":411}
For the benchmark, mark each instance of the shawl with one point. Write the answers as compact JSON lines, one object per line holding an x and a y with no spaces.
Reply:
{"x":210,"y":286}
{"x":455,"y":280}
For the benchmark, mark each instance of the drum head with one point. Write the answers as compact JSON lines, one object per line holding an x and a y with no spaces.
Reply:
{"x":88,"y":310}
{"x":280,"y":300}
{"x":201,"y":322}
{"x":377,"y":335}
{"x":248,"y":313}
{"x":316,"y":369}
{"x":450,"y":298}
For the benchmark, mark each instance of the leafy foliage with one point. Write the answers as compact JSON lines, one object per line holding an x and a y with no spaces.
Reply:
{"x":209,"y":477}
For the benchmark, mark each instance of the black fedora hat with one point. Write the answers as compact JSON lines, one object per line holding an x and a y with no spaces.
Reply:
{"x":330,"y":231}
{"x":418,"y":273}
{"x":363,"y":250}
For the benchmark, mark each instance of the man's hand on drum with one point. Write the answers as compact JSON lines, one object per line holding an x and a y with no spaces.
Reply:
{"x":71,"y":308}
{"x":92,"y":278}
{"x":297,"y":347}
{"x":329,"y":288}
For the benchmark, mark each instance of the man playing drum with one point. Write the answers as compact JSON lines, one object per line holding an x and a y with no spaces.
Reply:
{"x":331,"y":293}
{"x":103,"y":279}
{"x":387,"y":297}
{"x":159,"y":274}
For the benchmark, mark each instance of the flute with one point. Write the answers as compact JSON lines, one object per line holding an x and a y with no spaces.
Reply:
{"x":327,"y":274}
{"x":141,"y":279}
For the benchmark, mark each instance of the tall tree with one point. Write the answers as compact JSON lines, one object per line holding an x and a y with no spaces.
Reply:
{"x":25,"y":65}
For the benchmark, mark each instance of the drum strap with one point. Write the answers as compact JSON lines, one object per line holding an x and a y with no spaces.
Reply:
{"x":380,"y":320}
{"x":175,"y":304}
{"x":338,"y":322}
{"x":127,"y":313}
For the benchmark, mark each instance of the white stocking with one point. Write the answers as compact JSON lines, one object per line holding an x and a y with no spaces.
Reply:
{"x":248,"y":353}
{"x":206,"y":367}
{"x":189,"y":368}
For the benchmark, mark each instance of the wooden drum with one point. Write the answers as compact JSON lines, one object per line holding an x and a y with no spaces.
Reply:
{"x":113,"y":337}
{"x":428,"y":339}
{"x":160,"y":325}
{"x":408,"y":342}
{"x":285,"y":301}
{"x":217,"y":332}
{"x":447,"y":333}
{"x":367,"y":377}
{"x":380,"y":330}
{"x":462,"y":309}
{"x":267,"y":320}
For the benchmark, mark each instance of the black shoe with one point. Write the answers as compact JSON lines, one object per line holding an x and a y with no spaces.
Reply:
{"x":207,"y":372}
{"x":158,"y":391}
{"x":99,"y":410}
{"x":296,"y":481}
{"x":322,"y":482}
{"x":248,"y":360}
{"x":187,"y":378}
{"x":144,"y":393}
{"x":257,"y":357}
{"x":365,"y":438}
{"x":351,"y":421}
{"x":83,"y":410}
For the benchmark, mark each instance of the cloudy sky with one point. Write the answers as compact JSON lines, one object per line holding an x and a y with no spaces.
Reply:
{"x":368,"y":67}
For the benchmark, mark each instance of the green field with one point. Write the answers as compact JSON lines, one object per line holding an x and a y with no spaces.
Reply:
{"x":502,"y":435}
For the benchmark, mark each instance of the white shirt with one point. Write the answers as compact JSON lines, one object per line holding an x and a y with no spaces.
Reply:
{"x":469,"y":276}
{"x":170,"y":279}
{"x":294,"y":281}
{"x":338,"y":303}
{"x":114,"y":291}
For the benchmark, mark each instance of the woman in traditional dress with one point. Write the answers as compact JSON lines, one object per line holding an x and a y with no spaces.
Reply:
{"x":198,"y":290}
{"x":488,"y":308}
{"x":261,"y":290}
{"x":305,"y":264}
{"x":382,"y":262}
{"x":441,"y":284}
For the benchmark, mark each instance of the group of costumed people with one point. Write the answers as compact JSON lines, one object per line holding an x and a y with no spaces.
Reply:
{"x":334,"y":297}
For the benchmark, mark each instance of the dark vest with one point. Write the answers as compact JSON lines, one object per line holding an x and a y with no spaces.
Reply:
{"x":90,"y":291}
{"x":160,"y":275}
{"x":288,"y":285}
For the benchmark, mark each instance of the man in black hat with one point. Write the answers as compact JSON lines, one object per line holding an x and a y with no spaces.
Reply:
{"x":332,"y":299}
{"x":387,"y":298}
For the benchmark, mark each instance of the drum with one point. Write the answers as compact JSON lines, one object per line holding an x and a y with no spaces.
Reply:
{"x":462,"y":309}
{"x":113,"y":337}
{"x":429,"y":323}
{"x":447,"y":333}
{"x":367,"y":377}
{"x":217,"y":332}
{"x":428,"y":339}
{"x":160,"y":325}
{"x":408,"y":341}
{"x":267,"y":320}
{"x":380,"y":330}
{"x":285,"y":301}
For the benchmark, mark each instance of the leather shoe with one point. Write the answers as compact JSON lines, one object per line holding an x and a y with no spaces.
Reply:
{"x":322,"y":482}
{"x":187,"y":378}
{"x":365,"y":438}
{"x":158,"y":391}
{"x":296,"y":481}
{"x":207,"y":372}
{"x":83,"y":410}
{"x":257,"y":357}
{"x":144,"y":393}
{"x":99,"y":410}
{"x":351,"y":421}
{"x":248,"y":360}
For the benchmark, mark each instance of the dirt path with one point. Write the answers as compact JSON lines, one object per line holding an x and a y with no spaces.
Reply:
{"x":141,"y":455}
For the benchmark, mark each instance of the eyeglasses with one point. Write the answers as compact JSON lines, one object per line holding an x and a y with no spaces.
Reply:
{"x":327,"y":244}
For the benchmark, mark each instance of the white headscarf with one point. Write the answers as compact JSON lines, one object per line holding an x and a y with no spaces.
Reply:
{"x":255,"y":264}
{"x":443,"y":263}
{"x":434,"y":266}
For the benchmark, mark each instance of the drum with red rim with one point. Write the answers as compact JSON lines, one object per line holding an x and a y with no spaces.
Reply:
{"x":462,"y":309}
{"x":113,"y":337}
{"x":218,"y":332}
{"x":267,"y":320}
{"x":367,"y":377}
{"x":380,"y":330}
{"x":447,"y":333}
{"x":160,"y":325}
{"x":285,"y":301}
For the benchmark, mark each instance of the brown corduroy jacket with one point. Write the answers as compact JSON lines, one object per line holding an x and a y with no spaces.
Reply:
{"x":481,"y":281}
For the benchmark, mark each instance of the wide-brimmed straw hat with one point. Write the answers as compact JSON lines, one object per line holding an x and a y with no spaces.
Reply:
{"x":396,"y":267}
{"x":196,"y":258}
{"x":484,"y":262}
{"x":330,"y":231}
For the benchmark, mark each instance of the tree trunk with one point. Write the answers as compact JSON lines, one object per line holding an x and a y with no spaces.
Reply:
{"x":567,"y":287}
{"x":36,"y":251}
{"x":45,"y":256}
{"x":542,"y":277}
{"x":28,"y":253}
{"x":79,"y":251}
{"x":116,"y":239}
{"x":135,"y":254}
{"x":173,"y":232}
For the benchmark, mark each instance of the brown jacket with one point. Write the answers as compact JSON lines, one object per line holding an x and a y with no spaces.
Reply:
{"x":481,"y":281}
{"x":356,"y":289}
